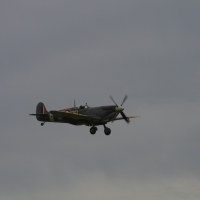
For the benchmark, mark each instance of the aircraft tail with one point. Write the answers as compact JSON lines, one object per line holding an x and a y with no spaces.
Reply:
{"x":41,"y":112}
{"x":41,"y":109}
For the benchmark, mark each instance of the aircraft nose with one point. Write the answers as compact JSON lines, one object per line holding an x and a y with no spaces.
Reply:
{"x":119,"y":109}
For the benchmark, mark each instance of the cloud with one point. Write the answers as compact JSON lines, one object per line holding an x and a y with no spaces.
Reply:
{"x":56,"y":52}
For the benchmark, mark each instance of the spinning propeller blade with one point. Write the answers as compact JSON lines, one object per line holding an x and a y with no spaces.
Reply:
{"x":124,"y":100}
{"x":125,"y":117}
{"x":113,"y":100}
{"x":121,"y":112}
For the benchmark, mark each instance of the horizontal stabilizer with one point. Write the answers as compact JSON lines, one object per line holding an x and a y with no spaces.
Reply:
{"x":40,"y":115}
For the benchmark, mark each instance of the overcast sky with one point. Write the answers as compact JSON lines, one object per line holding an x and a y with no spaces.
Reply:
{"x":58,"y":51}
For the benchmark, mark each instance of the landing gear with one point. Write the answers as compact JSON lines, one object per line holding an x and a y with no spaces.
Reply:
{"x":93,"y":130}
{"x":107,"y":131}
{"x":42,"y":124}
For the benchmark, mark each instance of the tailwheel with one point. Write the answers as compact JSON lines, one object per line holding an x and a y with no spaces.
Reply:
{"x":107,"y":131}
{"x":93,"y":130}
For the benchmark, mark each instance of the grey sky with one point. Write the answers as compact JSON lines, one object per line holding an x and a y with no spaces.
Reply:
{"x":58,"y":51}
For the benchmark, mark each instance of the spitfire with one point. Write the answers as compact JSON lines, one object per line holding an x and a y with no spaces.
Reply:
{"x":84,"y":115}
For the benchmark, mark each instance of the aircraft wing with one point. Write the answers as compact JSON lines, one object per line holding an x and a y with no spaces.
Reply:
{"x":127,"y":117}
{"x":75,"y":116}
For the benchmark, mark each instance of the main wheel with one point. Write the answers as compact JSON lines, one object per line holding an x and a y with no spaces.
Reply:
{"x":93,"y":130}
{"x":107,"y":131}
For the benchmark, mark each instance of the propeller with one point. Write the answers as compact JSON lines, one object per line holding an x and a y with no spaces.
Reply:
{"x":113,"y":100}
{"x":120,"y":108}
{"x":125,"y":117}
{"x":124,"y":100}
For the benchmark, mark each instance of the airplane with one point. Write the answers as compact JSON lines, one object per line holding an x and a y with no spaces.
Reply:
{"x":84,"y":115}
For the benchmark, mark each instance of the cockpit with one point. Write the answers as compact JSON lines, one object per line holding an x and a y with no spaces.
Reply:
{"x":83,"y":107}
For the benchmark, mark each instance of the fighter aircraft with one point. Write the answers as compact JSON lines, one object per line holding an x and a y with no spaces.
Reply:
{"x":84,"y":115}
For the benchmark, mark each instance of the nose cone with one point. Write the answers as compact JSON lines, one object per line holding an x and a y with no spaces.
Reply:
{"x":119,"y":109}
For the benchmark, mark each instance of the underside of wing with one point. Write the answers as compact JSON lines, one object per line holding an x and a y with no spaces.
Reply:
{"x":74,"y":116}
{"x":127,"y":117}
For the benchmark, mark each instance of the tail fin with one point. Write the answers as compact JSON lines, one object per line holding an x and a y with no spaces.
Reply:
{"x":41,"y":112}
{"x":41,"y":109}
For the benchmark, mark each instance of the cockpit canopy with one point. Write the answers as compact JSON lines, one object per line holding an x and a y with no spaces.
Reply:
{"x":83,"y":107}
